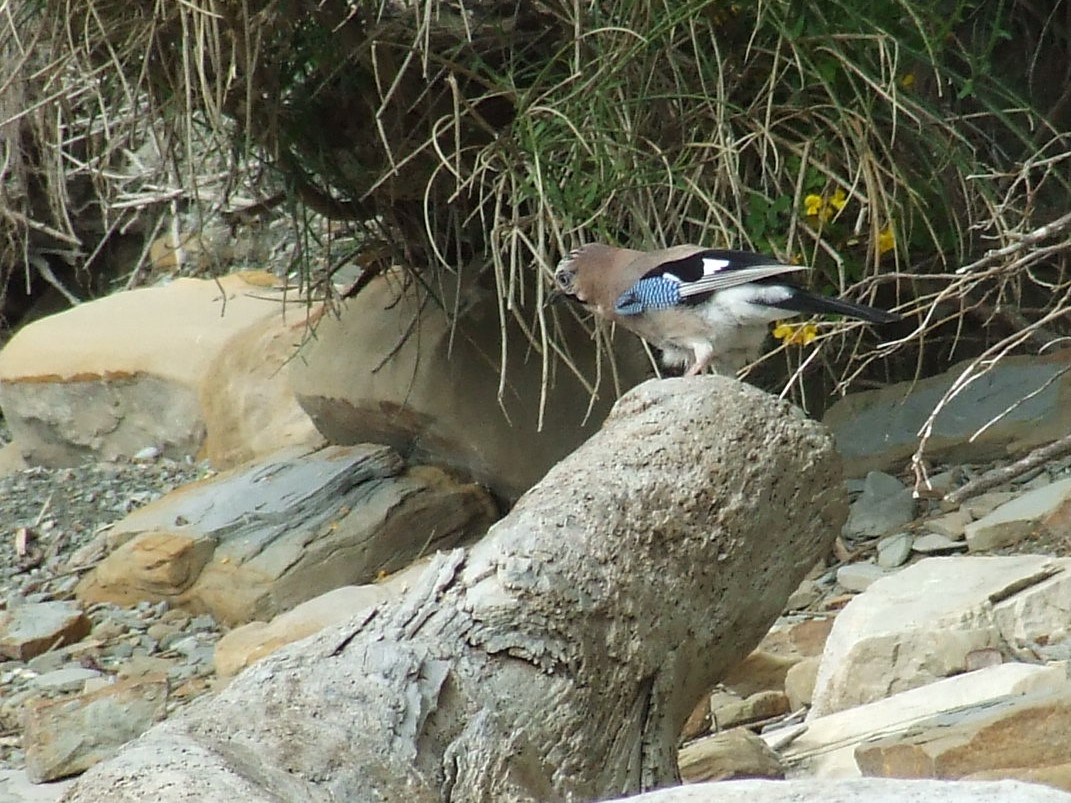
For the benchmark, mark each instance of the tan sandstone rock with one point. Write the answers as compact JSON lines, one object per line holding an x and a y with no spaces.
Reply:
{"x":1032,"y":731}
{"x":257,"y":540}
{"x":825,"y":747}
{"x":434,"y":391}
{"x":67,"y":736}
{"x":191,"y":369}
{"x":737,"y":753}
{"x":800,"y":681}
{"x":33,"y":628}
{"x":243,"y":645}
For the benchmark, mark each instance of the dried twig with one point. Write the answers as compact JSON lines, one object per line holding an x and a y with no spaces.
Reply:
{"x":999,"y":476}
{"x":1051,"y":229}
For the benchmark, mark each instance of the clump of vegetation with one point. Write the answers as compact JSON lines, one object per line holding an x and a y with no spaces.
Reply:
{"x":915,"y":153}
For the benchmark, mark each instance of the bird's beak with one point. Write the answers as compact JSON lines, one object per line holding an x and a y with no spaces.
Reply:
{"x":554,"y":297}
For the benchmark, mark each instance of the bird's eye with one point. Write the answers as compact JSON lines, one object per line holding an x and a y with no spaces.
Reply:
{"x":564,"y":279}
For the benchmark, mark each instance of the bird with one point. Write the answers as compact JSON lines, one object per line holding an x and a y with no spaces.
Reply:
{"x":702,"y":307}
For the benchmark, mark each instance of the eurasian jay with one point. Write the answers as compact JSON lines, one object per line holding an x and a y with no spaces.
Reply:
{"x":701,"y":306}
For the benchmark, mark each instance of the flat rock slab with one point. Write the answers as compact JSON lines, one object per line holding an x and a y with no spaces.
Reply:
{"x":248,"y":643}
{"x":1031,"y":731}
{"x":868,"y":790}
{"x":34,"y":628}
{"x":885,"y":505}
{"x":1047,"y":508}
{"x":922,"y":624}
{"x":879,"y":429}
{"x":825,"y":747}
{"x":258,"y":540}
{"x":189,"y":369}
{"x":68,"y":736}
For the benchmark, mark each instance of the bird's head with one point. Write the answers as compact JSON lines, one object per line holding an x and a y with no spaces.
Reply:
{"x":594,"y":275}
{"x":565,"y":283}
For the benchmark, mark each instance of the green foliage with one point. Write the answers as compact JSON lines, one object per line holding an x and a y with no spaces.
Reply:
{"x":872,"y":139}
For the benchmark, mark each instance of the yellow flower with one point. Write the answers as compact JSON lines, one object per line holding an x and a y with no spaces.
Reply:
{"x":886,"y":240}
{"x":907,"y":80}
{"x":825,"y":208}
{"x":795,"y":334}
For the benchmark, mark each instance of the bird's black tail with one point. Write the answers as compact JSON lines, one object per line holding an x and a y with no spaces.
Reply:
{"x":811,"y":304}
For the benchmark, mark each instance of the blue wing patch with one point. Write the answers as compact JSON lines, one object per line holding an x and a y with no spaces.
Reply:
{"x":652,"y":293}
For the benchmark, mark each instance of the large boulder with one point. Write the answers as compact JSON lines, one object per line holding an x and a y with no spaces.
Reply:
{"x":1022,"y":402}
{"x":559,"y":657}
{"x":264,"y":537}
{"x":424,"y":370}
{"x":189,"y":369}
{"x":925,"y":622}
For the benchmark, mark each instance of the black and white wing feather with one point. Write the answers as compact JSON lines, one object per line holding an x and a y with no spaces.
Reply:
{"x":695,"y":278}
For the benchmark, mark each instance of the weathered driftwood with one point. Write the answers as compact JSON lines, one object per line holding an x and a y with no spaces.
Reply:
{"x":556,"y":659}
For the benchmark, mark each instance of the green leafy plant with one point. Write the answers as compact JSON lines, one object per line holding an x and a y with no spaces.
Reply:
{"x":491,"y":138}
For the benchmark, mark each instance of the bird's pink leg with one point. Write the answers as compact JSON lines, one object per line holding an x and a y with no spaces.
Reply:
{"x":704,"y":356}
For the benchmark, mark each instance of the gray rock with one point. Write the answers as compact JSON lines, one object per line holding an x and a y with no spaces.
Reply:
{"x":202,"y":623}
{"x":884,"y":505}
{"x":807,"y":593}
{"x":47,"y":662}
{"x":859,"y":576}
{"x":264,"y":537}
{"x":945,"y":481}
{"x":70,"y":678}
{"x":120,"y":651}
{"x":952,"y":525}
{"x":894,"y":550}
{"x":879,"y":429}
{"x":982,"y":505}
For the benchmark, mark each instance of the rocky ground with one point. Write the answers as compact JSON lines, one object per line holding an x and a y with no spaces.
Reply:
{"x":54,"y":521}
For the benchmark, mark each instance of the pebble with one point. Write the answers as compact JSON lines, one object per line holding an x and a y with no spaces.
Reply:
{"x":894,"y":550}
{"x":931,"y":543}
{"x":147,"y":454}
{"x":950,"y":525}
{"x":885,"y":505}
{"x":859,"y":576}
